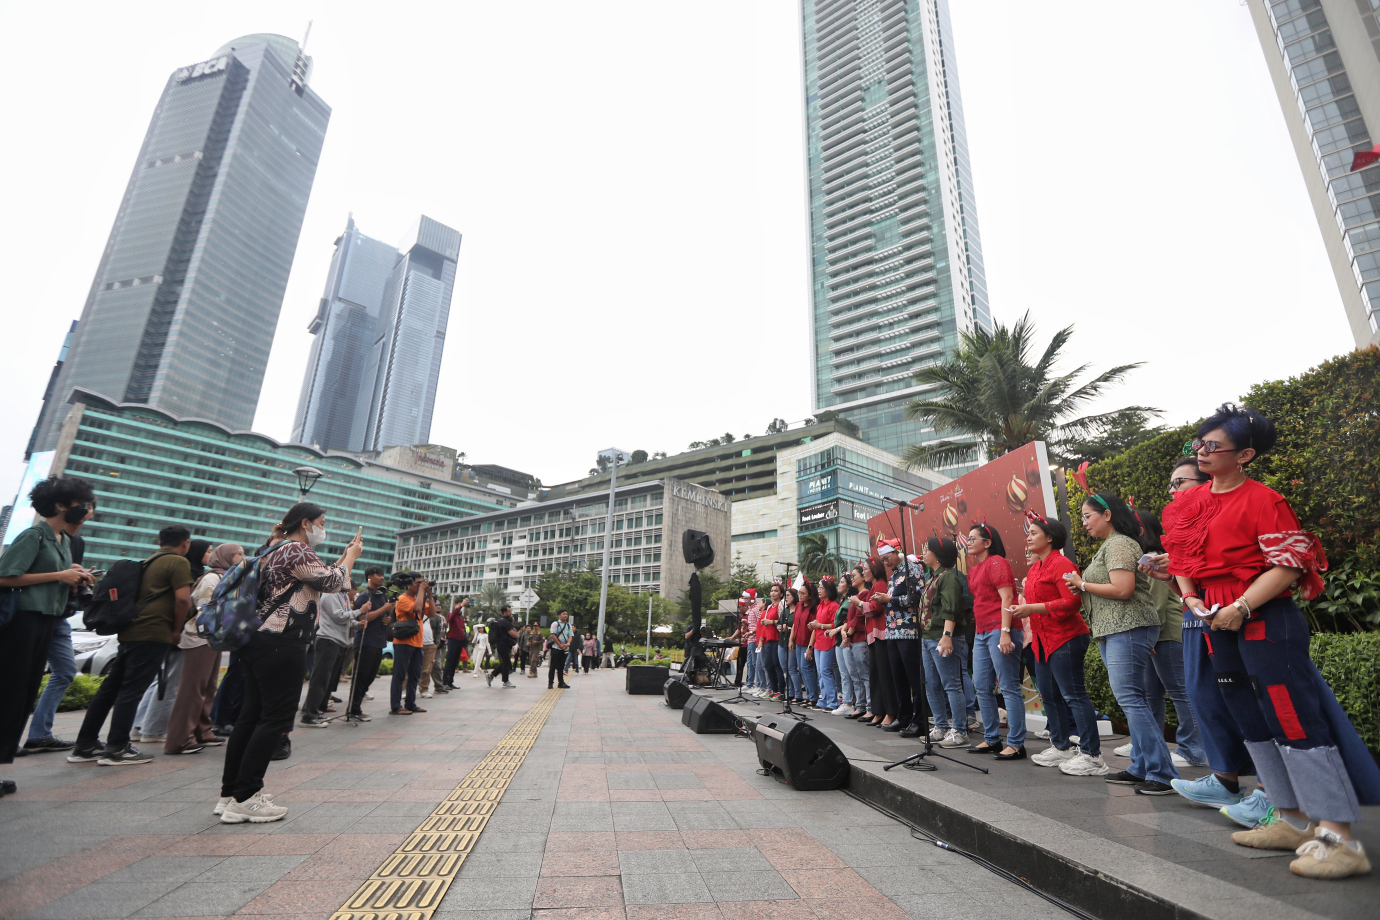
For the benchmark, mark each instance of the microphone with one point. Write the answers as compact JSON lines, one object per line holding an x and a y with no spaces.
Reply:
{"x":791,"y":564}
{"x":897,"y":501}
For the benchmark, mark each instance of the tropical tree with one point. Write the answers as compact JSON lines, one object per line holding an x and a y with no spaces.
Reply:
{"x":492,"y":597}
{"x":817,"y":559}
{"x":996,"y":395}
{"x":1125,"y":430}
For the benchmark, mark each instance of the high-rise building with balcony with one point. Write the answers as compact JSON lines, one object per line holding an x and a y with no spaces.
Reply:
{"x":184,"y":305}
{"x":380,"y":333}
{"x":896,"y":260}
{"x":1324,"y":59}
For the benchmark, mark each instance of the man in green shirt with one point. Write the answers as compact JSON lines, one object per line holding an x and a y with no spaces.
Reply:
{"x":164,"y":601}
{"x":39,"y":564}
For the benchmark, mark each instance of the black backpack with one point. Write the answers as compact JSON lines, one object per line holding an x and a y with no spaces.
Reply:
{"x":113,"y":605}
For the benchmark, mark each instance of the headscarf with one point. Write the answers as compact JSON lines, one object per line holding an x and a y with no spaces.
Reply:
{"x":223,"y":556}
{"x":195,"y":555}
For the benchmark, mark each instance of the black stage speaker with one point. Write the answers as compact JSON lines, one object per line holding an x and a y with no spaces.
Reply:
{"x":706,"y":717}
{"x":801,"y":756}
{"x":646,"y":679}
{"x":676,"y":692}
{"x":697,"y":548}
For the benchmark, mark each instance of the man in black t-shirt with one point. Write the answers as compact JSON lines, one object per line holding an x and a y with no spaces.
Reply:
{"x":502,"y":635}
{"x":370,"y":637}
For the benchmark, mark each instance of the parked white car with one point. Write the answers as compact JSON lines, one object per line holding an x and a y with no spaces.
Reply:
{"x":94,"y":653}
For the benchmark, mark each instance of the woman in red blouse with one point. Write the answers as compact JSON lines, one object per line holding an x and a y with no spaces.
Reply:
{"x":1239,"y":553}
{"x":768,"y":634}
{"x":997,"y":645}
{"x":1060,"y":640}
{"x":885,"y":706}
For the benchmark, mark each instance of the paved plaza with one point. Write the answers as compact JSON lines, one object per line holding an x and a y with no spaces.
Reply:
{"x":617,"y":811}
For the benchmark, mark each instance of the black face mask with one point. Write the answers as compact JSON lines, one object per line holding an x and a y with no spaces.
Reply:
{"x":75,"y":514}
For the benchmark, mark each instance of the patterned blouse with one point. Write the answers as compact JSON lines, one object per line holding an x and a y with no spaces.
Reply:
{"x":1106,"y":615}
{"x":291,"y":582}
{"x":903,"y":611}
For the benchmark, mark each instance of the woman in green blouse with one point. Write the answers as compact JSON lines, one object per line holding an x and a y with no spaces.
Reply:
{"x":1126,"y":625}
{"x":943,"y":614}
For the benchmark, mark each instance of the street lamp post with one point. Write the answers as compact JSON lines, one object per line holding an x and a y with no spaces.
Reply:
{"x":306,"y":478}
{"x":615,"y":457}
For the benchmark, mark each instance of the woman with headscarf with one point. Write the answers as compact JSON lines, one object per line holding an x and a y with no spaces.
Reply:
{"x":189,"y":725}
{"x":151,"y":718}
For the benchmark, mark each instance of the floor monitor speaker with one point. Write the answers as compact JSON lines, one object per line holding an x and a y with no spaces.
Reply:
{"x":801,"y":756}
{"x":676,"y":692}
{"x":646,"y":679}
{"x":706,"y":717}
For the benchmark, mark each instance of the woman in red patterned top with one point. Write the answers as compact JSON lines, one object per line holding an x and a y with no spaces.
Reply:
{"x":885,"y":704}
{"x":1239,"y":553}
{"x":292,"y":579}
{"x":1060,"y":641}
{"x":769,"y":635}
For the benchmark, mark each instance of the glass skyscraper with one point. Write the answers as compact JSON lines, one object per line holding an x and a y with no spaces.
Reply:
{"x":1324,"y":58}
{"x":185,"y":302}
{"x":896,"y":260}
{"x":380,"y":332}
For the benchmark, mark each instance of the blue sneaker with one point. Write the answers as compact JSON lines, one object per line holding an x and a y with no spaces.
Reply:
{"x":1251,"y":810}
{"x":1207,"y":790}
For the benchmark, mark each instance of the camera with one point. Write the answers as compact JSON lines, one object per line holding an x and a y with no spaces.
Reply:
{"x":398,"y":583}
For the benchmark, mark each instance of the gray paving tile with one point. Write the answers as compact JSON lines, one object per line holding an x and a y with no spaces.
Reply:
{"x":483,"y":895}
{"x":641,"y":862}
{"x":505,"y":841}
{"x":729,"y":860}
{"x":502,"y":865}
{"x":665,"y":888}
{"x":249,"y":869}
{"x":923,"y":880}
{"x":205,"y":899}
{"x":167,"y":871}
{"x":676,"y":779}
{"x":418,"y":810}
{"x":634,"y":824}
{"x":747,"y":885}
{"x":98,"y":900}
{"x":631,"y":779}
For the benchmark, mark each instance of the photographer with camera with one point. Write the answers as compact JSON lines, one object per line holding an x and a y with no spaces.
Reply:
{"x":406,"y":633}
{"x":375,"y":613}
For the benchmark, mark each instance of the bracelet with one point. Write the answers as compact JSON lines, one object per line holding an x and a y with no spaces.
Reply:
{"x":1189,"y":596}
{"x":1243,"y":605}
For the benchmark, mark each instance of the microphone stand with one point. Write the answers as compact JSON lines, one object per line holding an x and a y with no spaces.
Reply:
{"x":917,"y":761}
{"x":786,"y":697}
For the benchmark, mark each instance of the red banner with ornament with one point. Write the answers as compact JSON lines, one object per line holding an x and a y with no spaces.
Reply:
{"x":997,"y":494}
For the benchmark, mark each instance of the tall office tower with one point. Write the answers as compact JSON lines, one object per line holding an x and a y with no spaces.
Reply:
{"x":895,"y":257}
{"x":346,"y":322}
{"x":411,"y":336}
{"x":52,"y":382}
{"x":1324,"y":58}
{"x":380,"y":331}
{"x":185,"y":301}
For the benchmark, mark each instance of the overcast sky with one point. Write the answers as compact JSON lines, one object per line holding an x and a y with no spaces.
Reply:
{"x":629,"y":180}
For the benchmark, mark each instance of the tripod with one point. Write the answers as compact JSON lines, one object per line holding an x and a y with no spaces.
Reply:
{"x":785,"y":677}
{"x":918,"y":761}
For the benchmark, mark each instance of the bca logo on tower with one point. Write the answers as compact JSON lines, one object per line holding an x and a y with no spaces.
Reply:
{"x":204,"y":69}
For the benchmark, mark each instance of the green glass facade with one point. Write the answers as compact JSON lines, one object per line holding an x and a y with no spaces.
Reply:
{"x":838,"y":490}
{"x":896,"y":259}
{"x":151,"y":469}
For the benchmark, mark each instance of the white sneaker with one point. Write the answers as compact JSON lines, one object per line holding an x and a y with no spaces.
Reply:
{"x":257,"y":809}
{"x":938,"y":734}
{"x":1180,"y":760}
{"x":844,"y":709}
{"x":1126,"y":750}
{"x":1042,"y":734}
{"x":1073,"y":739}
{"x":1084,"y":765}
{"x":220,"y":805}
{"x":954,"y":739}
{"x":1052,"y":756}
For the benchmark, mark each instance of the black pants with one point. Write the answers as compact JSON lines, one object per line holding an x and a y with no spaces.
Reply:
{"x":273,"y":667}
{"x":505,"y":662}
{"x":366,"y":669}
{"x":230,"y":694}
{"x":346,"y":653}
{"x":329,"y":658}
{"x":586,"y":661}
{"x":556,"y":670}
{"x":407,"y":672}
{"x":908,"y":675}
{"x":884,"y":702}
{"x":23,"y":653}
{"x":453,"y":649}
{"x":135,"y":666}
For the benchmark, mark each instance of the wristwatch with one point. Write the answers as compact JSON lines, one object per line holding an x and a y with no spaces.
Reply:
{"x":948,"y":632}
{"x":1006,"y":629}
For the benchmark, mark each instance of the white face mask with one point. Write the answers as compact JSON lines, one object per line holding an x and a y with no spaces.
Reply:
{"x":314,"y":536}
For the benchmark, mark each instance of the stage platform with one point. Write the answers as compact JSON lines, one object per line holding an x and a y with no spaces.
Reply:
{"x":1096,"y":845}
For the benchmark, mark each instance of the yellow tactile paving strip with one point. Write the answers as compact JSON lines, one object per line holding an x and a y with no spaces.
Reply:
{"x":412,"y":881}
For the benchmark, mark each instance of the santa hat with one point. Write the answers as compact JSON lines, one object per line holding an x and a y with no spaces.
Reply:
{"x":885,"y":546}
{"x":749,"y":594}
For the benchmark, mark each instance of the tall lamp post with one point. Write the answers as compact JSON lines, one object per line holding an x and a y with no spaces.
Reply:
{"x":614,"y":456}
{"x":306,"y":478}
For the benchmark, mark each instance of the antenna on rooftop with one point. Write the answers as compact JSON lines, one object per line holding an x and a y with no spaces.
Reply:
{"x":299,"y":67}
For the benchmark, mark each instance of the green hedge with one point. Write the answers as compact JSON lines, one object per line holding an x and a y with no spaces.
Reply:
{"x":79,"y":692}
{"x":1349,"y":662}
{"x":1326,"y":462}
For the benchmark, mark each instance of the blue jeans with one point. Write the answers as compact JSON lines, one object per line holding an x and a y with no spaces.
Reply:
{"x":807,"y":676}
{"x":1165,"y":674}
{"x":825,"y":659}
{"x":1061,"y":687}
{"x":843,"y":662}
{"x":991,"y":667}
{"x":860,"y":670}
{"x":62,"y":667}
{"x":748,"y":659}
{"x":1127,"y":655}
{"x":790,"y":677}
{"x":944,"y":678}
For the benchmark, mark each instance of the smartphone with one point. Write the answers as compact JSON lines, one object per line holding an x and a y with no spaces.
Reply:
{"x":1148,"y":560}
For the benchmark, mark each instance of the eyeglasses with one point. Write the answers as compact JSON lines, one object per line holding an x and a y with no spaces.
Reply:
{"x":1178,"y":483}
{"x":1210,"y":447}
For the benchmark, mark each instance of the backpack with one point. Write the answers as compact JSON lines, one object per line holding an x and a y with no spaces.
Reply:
{"x":229,"y":618}
{"x":114,"y":602}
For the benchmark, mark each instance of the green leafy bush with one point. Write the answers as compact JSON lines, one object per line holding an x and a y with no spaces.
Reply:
{"x":386,"y":666}
{"x":79,"y":692}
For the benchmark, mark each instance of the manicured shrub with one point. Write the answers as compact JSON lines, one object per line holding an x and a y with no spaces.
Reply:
{"x":79,"y":692}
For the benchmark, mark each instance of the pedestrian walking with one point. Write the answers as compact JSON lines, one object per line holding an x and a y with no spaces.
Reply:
{"x":561,"y":635}
{"x":502,"y":635}
{"x":292,"y":580}
{"x":189,"y":724}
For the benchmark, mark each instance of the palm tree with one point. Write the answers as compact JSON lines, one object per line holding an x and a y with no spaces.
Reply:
{"x":993,"y":393}
{"x":492,"y":597}
{"x":817,"y":559}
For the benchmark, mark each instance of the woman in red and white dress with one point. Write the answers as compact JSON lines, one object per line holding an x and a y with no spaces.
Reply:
{"x":1239,"y":554}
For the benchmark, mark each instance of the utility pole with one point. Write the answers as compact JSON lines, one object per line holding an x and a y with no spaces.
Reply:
{"x":615,"y":457}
